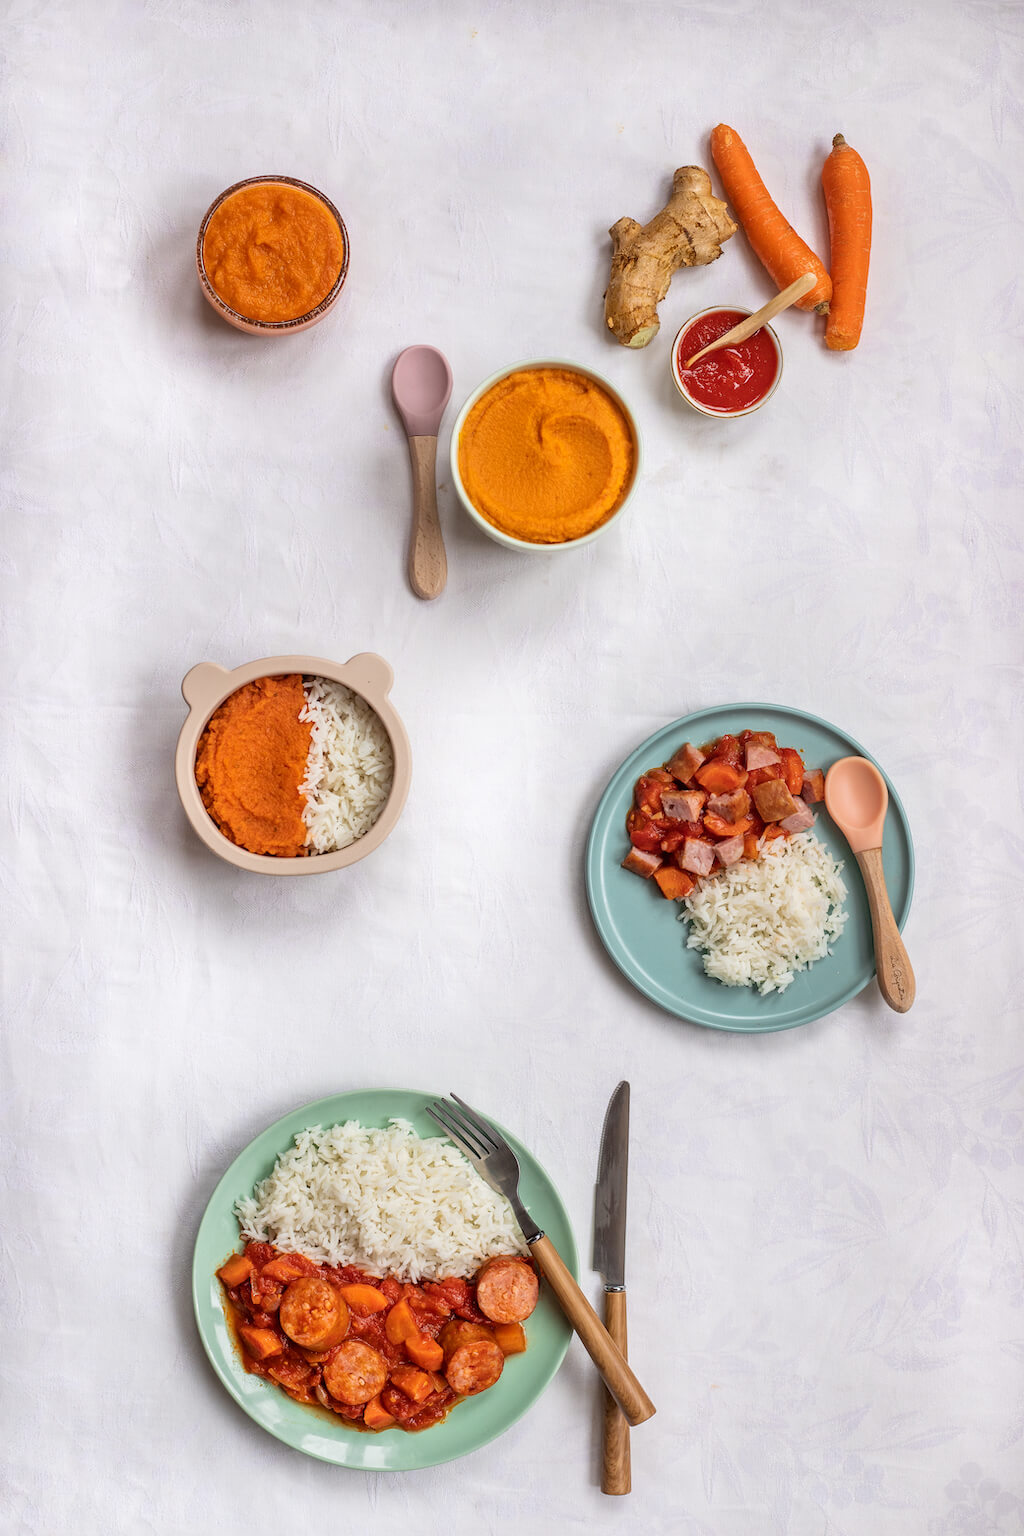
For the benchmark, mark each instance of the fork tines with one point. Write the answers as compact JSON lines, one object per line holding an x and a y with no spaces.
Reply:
{"x":468,"y":1129}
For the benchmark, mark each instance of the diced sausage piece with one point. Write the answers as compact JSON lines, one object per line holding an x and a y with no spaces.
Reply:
{"x":698,"y":856}
{"x":261,"y":1343}
{"x":773,"y":800}
{"x":507,"y":1289}
{"x":757,"y":754}
{"x":730,"y":851}
{"x":685,"y":763}
{"x":376,"y":1416}
{"x":355,"y":1372}
{"x":730,"y":807}
{"x":640,"y":863}
{"x":510,"y":1338}
{"x":801,"y":819}
{"x":684,"y":805}
{"x":474,"y":1367}
{"x":313,"y":1313}
{"x":814,"y":786}
{"x":235,"y":1270}
{"x":674,"y":884}
{"x":458,"y":1332}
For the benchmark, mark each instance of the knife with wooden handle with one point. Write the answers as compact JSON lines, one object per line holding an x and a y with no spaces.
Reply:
{"x":610,"y":1261}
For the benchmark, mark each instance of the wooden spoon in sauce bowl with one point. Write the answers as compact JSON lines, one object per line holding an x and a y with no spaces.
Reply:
{"x":754,"y":322}
{"x":856,"y":798}
{"x":421,"y":384}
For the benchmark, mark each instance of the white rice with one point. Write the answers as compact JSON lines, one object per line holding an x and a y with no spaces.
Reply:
{"x":349,"y":766}
{"x":388,"y":1201}
{"x":761,"y":921}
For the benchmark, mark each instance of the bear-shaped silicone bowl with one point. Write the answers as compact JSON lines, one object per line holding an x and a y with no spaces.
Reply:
{"x":207,"y":686}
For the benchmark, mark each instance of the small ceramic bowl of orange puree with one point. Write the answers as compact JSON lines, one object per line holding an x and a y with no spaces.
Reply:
{"x":272,"y":255}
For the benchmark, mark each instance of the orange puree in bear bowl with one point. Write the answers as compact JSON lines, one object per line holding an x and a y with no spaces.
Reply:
{"x":272,"y":255}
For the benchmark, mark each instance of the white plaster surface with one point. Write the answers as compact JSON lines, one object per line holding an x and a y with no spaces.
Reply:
{"x":827,"y":1226}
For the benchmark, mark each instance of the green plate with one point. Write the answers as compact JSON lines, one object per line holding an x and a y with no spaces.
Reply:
{"x":642,"y":934}
{"x":315,"y":1431}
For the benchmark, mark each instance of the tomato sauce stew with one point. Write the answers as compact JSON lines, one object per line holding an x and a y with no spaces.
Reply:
{"x":377,"y":1352}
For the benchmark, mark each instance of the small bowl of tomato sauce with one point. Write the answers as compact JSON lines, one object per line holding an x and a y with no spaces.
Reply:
{"x":272,"y":255}
{"x":735,"y":380}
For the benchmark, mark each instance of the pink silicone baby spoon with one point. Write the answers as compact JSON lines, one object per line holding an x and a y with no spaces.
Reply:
{"x":857,"y":799}
{"x":421,"y":384}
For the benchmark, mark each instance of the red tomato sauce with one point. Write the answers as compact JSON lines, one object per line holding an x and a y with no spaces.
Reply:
{"x":254,"y":1299}
{"x":734,"y":378}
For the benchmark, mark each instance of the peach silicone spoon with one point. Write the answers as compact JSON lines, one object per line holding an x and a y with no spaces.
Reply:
{"x":421,"y":384}
{"x":856,"y":798}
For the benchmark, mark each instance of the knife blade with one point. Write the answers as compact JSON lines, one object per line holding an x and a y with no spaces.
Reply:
{"x":610,"y":1261}
{"x":610,"y":1193}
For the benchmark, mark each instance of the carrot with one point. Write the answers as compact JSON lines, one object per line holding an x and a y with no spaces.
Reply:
{"x":376,"y":1416}
{"x":364,"y":1299}
{"x":511,"y":1338}
{"x":774,"y":241}
{"x":847,"y":188}
{"x":400,"y":1324}
{"x":424,"y":1352}
{"x":718,"y":777}
{"x":235,"y":1270}
{"x":674,"y":884}
{"x":719,"y":828}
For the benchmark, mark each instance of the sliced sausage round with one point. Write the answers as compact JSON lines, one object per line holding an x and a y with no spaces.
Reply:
{"x":355,"y":1372}
{"x":507,"y":1290}
{"x":474,"y":1367}
{"x":458,"y":1332}
{"x":313,"y":1313}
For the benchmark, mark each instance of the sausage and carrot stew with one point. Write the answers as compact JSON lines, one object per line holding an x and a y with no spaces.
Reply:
{"x":710,"y":806}
{"x":379,"y":1353}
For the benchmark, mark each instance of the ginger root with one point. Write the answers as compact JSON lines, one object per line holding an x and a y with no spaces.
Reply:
{"x":688,"y":232}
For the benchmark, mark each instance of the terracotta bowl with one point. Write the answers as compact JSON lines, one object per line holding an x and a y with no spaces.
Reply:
{"x":270,"y":327}
{"x":207,"y":686}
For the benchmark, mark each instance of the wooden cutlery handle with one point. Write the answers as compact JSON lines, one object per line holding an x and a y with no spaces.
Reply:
{"x":594,"y":1336}
{"x":428,"y":564}
{"x":615,"y":1476}
{"x":892,"y":963}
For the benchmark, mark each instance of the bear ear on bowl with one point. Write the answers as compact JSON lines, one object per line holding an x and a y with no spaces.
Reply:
{"x":369,"y":675}
{"x":204,"y":683}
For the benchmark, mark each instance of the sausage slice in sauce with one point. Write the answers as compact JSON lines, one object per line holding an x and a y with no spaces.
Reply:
{"x":474,"y":1367}
{"x":313,"y":1313}
{"x":355,"y":1372}
{"x":507,"y":1290}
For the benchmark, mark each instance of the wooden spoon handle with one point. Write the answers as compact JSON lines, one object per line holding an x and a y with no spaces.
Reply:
{"x":428,"y":564}
{"x":615,"y":1472}
{"x":892,"y":964}
{"x":754,"y":322}
{"x":594,"y":1336}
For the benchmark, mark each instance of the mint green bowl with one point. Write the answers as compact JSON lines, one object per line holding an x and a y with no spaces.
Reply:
{"x":315,"y":1431}
{"x":640,"y":929}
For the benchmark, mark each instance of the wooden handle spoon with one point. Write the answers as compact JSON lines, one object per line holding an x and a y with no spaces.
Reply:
{"x":856,"y":798}
{"x":760,"y":317}
{"x":421,"y":385}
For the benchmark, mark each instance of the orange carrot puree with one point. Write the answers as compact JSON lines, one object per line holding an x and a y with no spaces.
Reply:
{"x":273,"y":252}
{"x":250,"y":762}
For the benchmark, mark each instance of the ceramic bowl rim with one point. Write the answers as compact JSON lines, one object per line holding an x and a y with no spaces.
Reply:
{"x":704,"y":410}
{"x":206,"y":686}
{"x":507,"y":539}
{"x":235,"y":317}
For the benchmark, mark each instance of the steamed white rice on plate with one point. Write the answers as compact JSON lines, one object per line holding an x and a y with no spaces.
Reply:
{"x":387,"y":1201}
{"x":761,"y":921}
{"x":349,"y":767}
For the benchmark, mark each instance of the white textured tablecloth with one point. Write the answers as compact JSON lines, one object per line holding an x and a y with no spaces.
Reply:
{"x":826,"y":1226}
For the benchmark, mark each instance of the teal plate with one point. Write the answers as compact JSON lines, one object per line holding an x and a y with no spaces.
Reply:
{"x":315,"y":1431}
{"x":640,"y":929}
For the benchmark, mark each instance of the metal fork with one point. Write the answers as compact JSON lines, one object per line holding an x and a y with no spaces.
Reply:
{"x":495,"y":1160}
